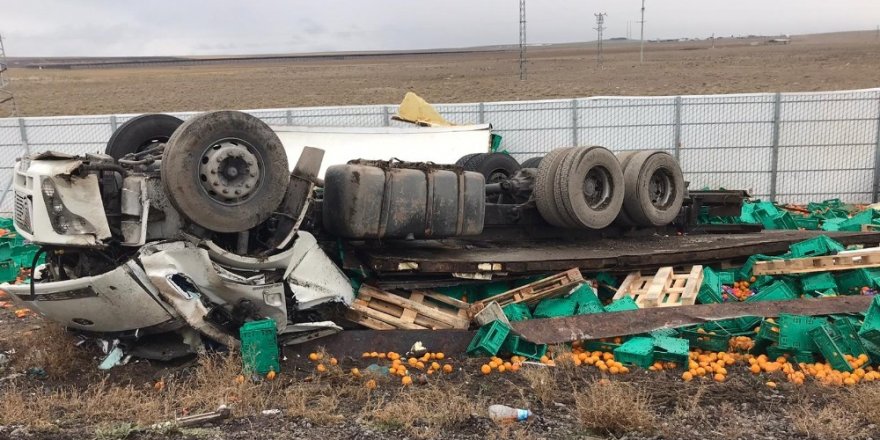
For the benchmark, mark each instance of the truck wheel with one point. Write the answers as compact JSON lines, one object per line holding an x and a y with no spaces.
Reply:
{"x":654,"y":188}
{"x":590,"y":187}
{"x":545,"y":189}
{"x":624,"y":157}
{"x":139,"y":133}
{"x":225,"y":171}
{"x":494,"y":166}
{"x":532,"y":162}
{"x":463,"y":159}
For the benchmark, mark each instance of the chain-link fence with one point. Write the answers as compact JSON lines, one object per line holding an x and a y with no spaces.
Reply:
{"x":789,"y":147}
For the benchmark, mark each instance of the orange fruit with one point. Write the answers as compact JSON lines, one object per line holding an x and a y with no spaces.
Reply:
{"x":355,"y":372}
{"x":270,"y":375}
{"x":406,"y":380}
{"x":719,"y":377}
{"x":382,"y":355}
{"x":501,"y":368}
{"x":440,"y":356}
{"x":371,"y":384}
{"x":755,"y":368}
{"x":374,"y":354}
{"x":239,"y":379}
{"x":485,"y":369}
{"x":313,"y":356}
{"x":320,"y":367}
{"x":365,"y":355}
{"x":771,"y":384}
{"x":333,"y":361}
{"x":687,"y":376}
{"x":447,"y":368}
{"x":159,"y":385}
{"x":435,"y":366}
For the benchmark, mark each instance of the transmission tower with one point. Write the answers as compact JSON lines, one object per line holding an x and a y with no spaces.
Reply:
{"x":642,"y":37}
{"x":7,"y":101}
{"x":600,"y":26}
{"x":522,"y":40}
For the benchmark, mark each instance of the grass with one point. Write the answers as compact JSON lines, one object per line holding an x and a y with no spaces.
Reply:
{"x":425,"y":411}
{"x":830,"y":422}
{"x":614,"y":407}
{"x":48,"y":346}
{"x":542,"y":382}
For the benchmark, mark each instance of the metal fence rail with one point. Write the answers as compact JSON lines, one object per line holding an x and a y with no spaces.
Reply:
{"x":788,"y":147}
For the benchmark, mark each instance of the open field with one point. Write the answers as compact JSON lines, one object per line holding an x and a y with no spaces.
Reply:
{"x":810,"y":63}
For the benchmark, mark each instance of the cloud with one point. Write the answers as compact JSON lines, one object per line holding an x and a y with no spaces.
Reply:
{"x":203,"y":27}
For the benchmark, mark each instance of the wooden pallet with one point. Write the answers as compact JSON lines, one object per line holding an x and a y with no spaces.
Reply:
{"x":534,"y":292}
{"x":419,"y":310}
{"x":664,"y":289}
{"x":846,"y":260}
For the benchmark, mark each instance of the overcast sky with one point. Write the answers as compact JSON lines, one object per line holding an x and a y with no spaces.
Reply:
{"x":210,"y":27}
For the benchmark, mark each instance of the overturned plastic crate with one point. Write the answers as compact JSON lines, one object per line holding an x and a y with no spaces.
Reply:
{"x":778,"y":291}
{"x":600,"y":345}
{"x":586,"y":300}
{"x":794,"y":332}
{"x":671,"y":349}
{"x":830,"y":344}
{"x":518,"y":346}
{"x":622,"y":305}
{"x":799,"y":356}
{"x":517,"y":312}
{"x":848,"y":329}
{"x":870,"y":329}
{"x":8,"y":271}
{"x":710,"y":290}
{"x":259,"y":346}
{"x":745,"y":272}
{"x":814,"y":247}
{"x":555,"y":308}
{"x":818,"y":282}
{"x":716,"y":340}
{"x":850,"y":282}
{"x":489,"y":339}
{"x":636,"y":351}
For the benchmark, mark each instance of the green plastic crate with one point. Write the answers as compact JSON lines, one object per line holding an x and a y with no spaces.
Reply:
{"x":637,"y":351}
{"x":829,"y":342}
{"x":848,"y":329}
{"x":671,"y":349}
{"x":599,"y":345}
{"x":8,"y":271}
{"x":667,"y":332}
{"x":818,"y":282}
{"x":259,"y":346}
{"x":555,"y":308}
{"x":517,"y":312}
{"x":806,"y":357}
{"x":516,"y":345}
{"x":489,"y":339}
{"x":623,"y":304}
{"x":778,"y":291}
{"x":710,"y":290}
{"x":719,"y":341}
{"x":807,"y":223}
{"x":854,"y":224}
{"x":850,"y":282}
{"x":728,"y":277}
{"x":768,"y":331}
{"x":745,"y":272}
{"x":794,"y":331}
{"x":814,"y":247}
{"x":870,"y":329}
{"x":586,"y":300}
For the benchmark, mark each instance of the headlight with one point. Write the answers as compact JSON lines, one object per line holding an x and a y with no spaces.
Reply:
{"x":48,"y":188}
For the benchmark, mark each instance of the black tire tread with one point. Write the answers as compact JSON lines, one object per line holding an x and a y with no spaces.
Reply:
{"x":131,"y":136}
{"x":544,"y":191}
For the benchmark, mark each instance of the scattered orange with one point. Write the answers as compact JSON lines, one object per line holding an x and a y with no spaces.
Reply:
{"x":447,"y":368}
{"x":333,"y":361}
{"x":271,"y":375}
{"x":320,"y":367}
{"x":406,"y":380}
{"x":371,"y":384}
{"x":485,"y":369}
{"x":314,"y":356}
{"x":355,"y":372}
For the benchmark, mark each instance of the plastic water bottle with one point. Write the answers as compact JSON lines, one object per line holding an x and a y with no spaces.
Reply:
{"x":502,"y":413}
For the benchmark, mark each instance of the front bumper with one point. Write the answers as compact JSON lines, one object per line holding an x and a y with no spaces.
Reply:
{"x":121,"y":300}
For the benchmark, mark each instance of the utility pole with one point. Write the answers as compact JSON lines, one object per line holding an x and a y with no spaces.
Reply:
{"x":642,"y":47}
{"x":713,"y":40}
{"x":522,"y":40}
{"x":600,"y":21}
{"x":628,"y":30}
{"x":7,"y":100}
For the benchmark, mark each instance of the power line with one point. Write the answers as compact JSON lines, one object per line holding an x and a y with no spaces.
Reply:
{"x":600,"y":21}
{"x":522,"y":40}
{"x":642,"y":37}
{"x":7,"y":100}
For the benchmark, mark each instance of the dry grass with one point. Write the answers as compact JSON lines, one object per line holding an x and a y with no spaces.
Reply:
{"x":46,"y":345}
{"x":863,"y":401}
{"x":828,"y":423}
{"x":319,"y":404}
{"x":614,"y":407}
{"x":423,"y":412}
{"x":541,"y":381}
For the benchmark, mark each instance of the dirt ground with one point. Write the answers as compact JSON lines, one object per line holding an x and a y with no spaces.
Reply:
{"x":70,"y":399}
{"x":810,"y":63}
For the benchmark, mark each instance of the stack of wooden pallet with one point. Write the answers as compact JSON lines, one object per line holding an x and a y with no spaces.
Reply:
{"x":380,"y":310}
{"x":663,"y":289}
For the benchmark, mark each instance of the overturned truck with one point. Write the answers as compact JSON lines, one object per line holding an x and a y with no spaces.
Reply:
{"x":197,"y":227}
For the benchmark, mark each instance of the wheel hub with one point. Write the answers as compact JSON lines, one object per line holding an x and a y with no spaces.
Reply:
{"x":597,"y":187}
{"x":661,"y":189}
{"x":229,"y":171}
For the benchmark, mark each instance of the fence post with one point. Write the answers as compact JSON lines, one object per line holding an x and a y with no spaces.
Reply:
{"x":386,"y":116}
{"x":481,"y":113}
{"x":876,"y":197}
{"x":22,"y":129}
{"x":288,"y":116}
{"x":574,"y":122}
{"x":677,"y":129}
{"x":774,"y":155}
{"x":113,"y":124}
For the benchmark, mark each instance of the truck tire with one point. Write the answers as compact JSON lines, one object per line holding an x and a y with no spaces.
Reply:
{"x":532,"y":162}
{"x":495,"y":167}
{"x":545,"y":189}
{"x":591,"y":187}
{"x":654,"y":188}
{"x":140,"y":132}
{"x":463,"y":159}
{"x":225,"y":171}
{"x":623,"y":219}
